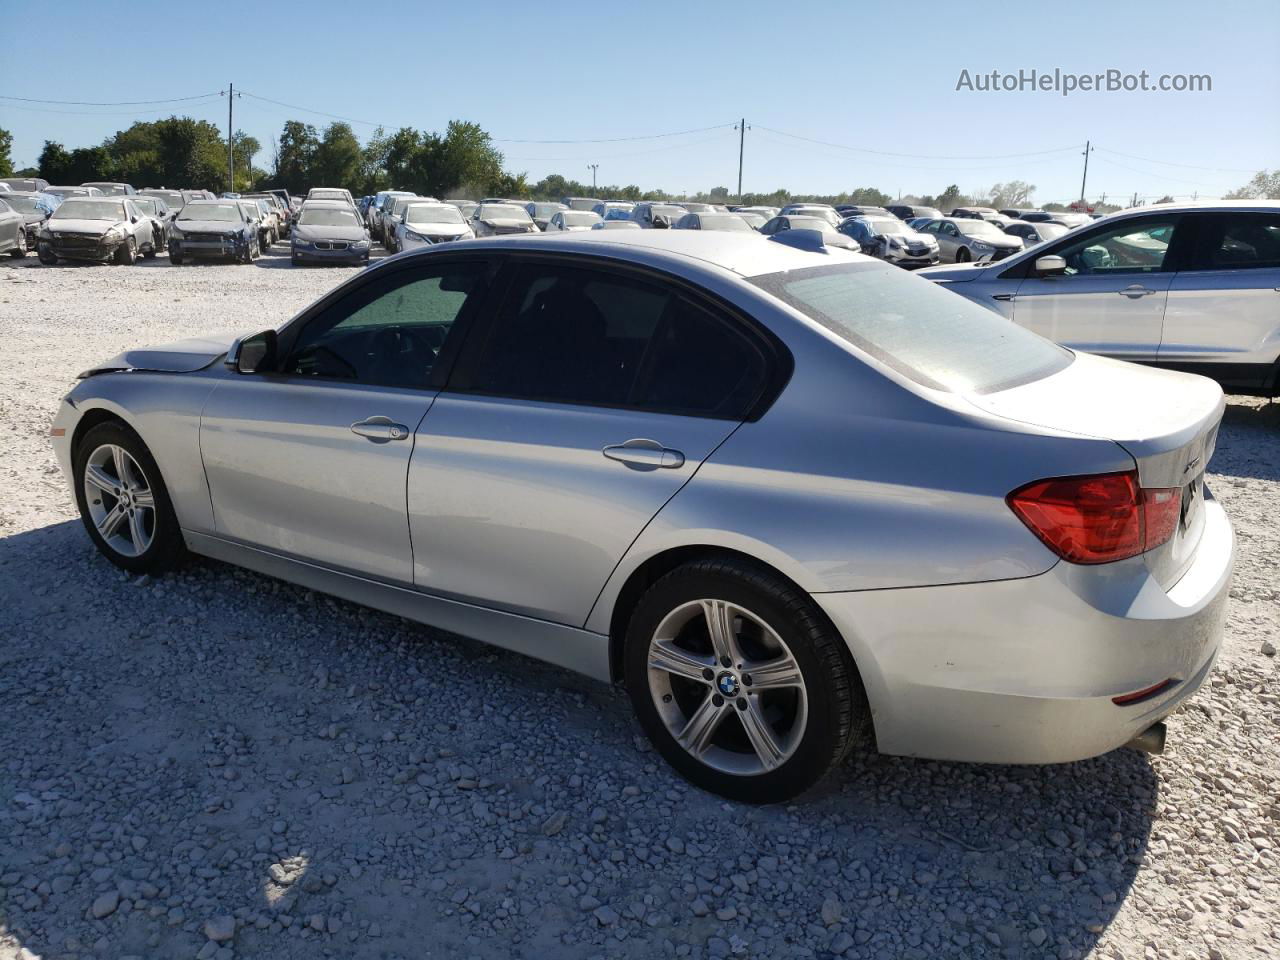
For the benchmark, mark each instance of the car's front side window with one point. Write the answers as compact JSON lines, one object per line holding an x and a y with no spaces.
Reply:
{"x":390,"y":333}
{"x":1134,"y":246}
{"x":588,"y":336}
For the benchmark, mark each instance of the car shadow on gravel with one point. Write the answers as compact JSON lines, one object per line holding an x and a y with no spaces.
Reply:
{"x":209,"y":735}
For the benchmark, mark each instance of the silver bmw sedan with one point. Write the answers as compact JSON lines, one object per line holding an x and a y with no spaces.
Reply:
{"x":790,"y":498}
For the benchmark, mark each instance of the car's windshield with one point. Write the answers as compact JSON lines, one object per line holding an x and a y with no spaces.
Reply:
{"x":327,"y":195}
{"x":725,"y":221}
{"x":618,"y":213}
{"x":1048,"y":231}
{"x":109,"y":189}
{"x":173,"y":199}
{"x":888,"y":225}
{"x":547,"y":210}
{"x":502,"y":211}
{"x":90,"y":210}
{"x":327,"y":217}
{"x":918,"y":328}
{"x":223,"y":212}
{"x":580,"y":218}
{"x":432,"y":213}
{"x":146,"y":203}
{"x":671,"y":213}
{"x":581,"y":203}
{"x":980,"y":228}
{"x":22,"y":204}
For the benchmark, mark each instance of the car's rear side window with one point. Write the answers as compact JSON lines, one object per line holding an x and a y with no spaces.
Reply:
{"x":920,"y":329}
{"x":595,"y":337}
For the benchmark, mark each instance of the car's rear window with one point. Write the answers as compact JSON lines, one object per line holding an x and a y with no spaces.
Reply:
{"x":922,"y":330}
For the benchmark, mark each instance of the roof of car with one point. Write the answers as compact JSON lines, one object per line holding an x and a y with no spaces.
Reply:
{"x":746,"y":254}
{"x":1191,"y":205}
{"x":329,"y":204}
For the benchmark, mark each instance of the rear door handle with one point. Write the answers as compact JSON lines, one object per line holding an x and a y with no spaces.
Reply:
{"x":645,"y":455}
{"x":380,"y":429}
{"x":1135,"y":290}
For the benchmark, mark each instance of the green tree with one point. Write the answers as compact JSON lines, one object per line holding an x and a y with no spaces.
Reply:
{"x":1265,"y":185}
{"x":338,"y":158}
{"x":6,"y":145}
{"x":296,"y":156}
{"x":950,"y":198}
{"x":54,"y":162}
{"x":464,"y":161}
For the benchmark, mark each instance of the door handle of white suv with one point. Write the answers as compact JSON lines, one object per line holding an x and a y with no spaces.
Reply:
{"x":380,"y":429}
{"x":1134,"y":291}
{"x":645,"y":455}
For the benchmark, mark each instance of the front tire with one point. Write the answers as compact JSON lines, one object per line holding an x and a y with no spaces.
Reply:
{"x":963,"y":255}
{"x":123,"y":502}
{"x":46,"y":254}
{"x":740,"y":682}
{"x":175,"y":258}
{"x":127,"y":255}
{"x":20,"y":250}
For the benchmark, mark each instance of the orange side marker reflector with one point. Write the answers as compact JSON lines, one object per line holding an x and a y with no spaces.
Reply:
{"x":58,"y":432}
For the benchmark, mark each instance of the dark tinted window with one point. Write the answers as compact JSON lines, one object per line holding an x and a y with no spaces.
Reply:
{"x":592,"y":337}
{"x":388,"y":333}
{"x":1238,"y":241}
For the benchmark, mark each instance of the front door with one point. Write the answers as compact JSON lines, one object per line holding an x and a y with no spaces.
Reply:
{"x":1112,"y":297}
{"x":590,"y":399}
{"x":310,"y":460}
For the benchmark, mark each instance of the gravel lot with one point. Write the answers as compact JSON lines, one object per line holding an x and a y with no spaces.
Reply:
{"x":216,"y":764}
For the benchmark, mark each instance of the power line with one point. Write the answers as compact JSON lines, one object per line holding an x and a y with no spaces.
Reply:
{"x":1172,"y":163}
{"x":920,"y":156}
{"x":322,"y":113}
{"x":105,"y":113}
{"x":110,"y":103}
{"x":650,"y":136}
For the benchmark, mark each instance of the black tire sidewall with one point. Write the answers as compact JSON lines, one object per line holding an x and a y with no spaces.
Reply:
{"x":771,"y":599}
{"x":167,"y":546}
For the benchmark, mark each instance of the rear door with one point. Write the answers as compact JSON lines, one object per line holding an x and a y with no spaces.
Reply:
{"x":1223,"y":316}
{"x":585,"y":403}
{"x":311,"y":460}
{"x":1111,"y":300}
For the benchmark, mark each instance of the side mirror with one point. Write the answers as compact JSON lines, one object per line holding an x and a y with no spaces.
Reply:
{"x":253,"y":354}
{"x":1050,"y":266}
{"x":133,"y":219}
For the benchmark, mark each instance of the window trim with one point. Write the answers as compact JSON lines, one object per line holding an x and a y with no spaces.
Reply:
{"x":778,"y":361}
{"x":1183,"y":241}
{"x":400,"y":275}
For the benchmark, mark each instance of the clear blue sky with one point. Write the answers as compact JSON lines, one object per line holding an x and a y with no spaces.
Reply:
{"x":873,"y":76}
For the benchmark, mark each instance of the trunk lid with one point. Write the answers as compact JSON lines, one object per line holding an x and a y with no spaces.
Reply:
{"x":1168,"y":422}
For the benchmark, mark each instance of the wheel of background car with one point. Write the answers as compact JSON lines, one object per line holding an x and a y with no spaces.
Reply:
{"x":46,"y":254}
{"x":20,"y":250}
{"x":963,"y":255}
{"x":123,"y":502}
{"x":740,"y":682}
{"x":151,"y":251}
{"x":128,"y":252}
{"x":175,"y":259}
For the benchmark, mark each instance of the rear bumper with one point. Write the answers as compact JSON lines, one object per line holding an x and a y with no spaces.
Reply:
{"x":1024,"y":671}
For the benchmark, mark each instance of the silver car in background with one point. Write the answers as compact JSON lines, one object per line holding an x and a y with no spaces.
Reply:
{"x":542,"y":212}
{"x":964,"y":240}
{"x":568,"y":221}
{"x":790,"y":499}
{"x":425,"y":223}
{"x":494,"y":219}
{"x":96,"y":228}
{"x":729,"y":222}
{"x":1193,"y":287}
{"x":888,"y":238}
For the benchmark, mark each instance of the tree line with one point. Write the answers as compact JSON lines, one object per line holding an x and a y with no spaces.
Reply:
{"x":461,"y":162}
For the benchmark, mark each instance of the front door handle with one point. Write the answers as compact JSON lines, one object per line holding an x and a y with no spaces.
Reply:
{"x":380,"y":429}
{"x":645,"y":455}
{"x":1134,"y":291}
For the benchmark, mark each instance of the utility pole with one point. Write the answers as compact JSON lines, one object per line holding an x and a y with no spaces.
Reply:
{"x":742,"y":139}
{"x":231,"y":157}
{"x":593,"y":175}
{"x":1085,"y":177}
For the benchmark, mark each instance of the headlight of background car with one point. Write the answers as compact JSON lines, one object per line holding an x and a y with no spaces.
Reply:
{"x":414,"y":235}
{"x":981,"y":247}
{"x":360,"y":244}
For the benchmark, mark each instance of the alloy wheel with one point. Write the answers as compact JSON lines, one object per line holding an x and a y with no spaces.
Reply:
{"x":121,"y":503}
{"x":727,"y":687}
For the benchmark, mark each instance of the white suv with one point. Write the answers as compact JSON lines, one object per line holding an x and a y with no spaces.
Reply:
{"x":1192,"y":287}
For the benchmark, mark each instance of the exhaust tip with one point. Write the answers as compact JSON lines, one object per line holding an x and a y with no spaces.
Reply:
{"x":1150,"y":740}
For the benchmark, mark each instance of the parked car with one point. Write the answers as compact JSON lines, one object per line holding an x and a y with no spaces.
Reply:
{"x":821,"y":210}
{"x":754,"y":220}
{"x":847,"y":210}
{"x":256,"y":213}
{"x":493,"y":219}
{"x":830,"y":235}
{"x":1033,"y":233}
{"x":155,"y":210}
{"x":426,"y":223}
{"x":25,"y":184}
{"x":1016,"y":213}
{"x":1034,"y":548}
{"x":729,"y":222}
{"x":212,"y":228}
{"x":907,"y":211}
{"x":614,"y":209}
{"x":67,"y":192}
{"x":971,"y":213}
{"x":617,"y":225}
{"x":391,"y":214}
{"x":112,"y":189}
{"x":277,"y":216}
{"x":174,"y":200}
{"x":374,"y":215}
{"x":1068,"y":220}
{"x":35,"y":209}
{"x":329,"y":231}
{"x":579,"y":203}
{"x":466,"y":207}
{"x":888,"y":238}
{"x":96,"y":228}
{"x":1189,"y":287}
{"x":13,"y":229}
{"x":963,"y":239}
{"x":654,"y":213}
{"x":541,"y":212}
{"x":331,"y":193}
{"x":568,"y":221}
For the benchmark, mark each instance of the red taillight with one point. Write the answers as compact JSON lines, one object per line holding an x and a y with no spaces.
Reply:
{"x":1097,"y":519}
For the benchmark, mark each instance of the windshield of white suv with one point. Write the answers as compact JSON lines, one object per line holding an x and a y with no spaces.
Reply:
{"x":90,"y":210}
{"x":432,"y":213}
{"x":221,"y":212}
{"x":918,"y":328}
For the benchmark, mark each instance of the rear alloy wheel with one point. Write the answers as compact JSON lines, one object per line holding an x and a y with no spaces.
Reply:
{"x":123,"y":501}
{"x":127,"y":255}
{"x":963,"y":255}
{"x":740,"y":682}
{"x":20,"y":250}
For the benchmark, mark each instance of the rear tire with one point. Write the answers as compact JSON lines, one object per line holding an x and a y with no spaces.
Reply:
{"x":963,"y":255}
{"x":20,"y":250}
{"x":131,"y":523}
{"x":769,"y":736}
{"x":175,"y":258}
{"x":150,"y":252}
